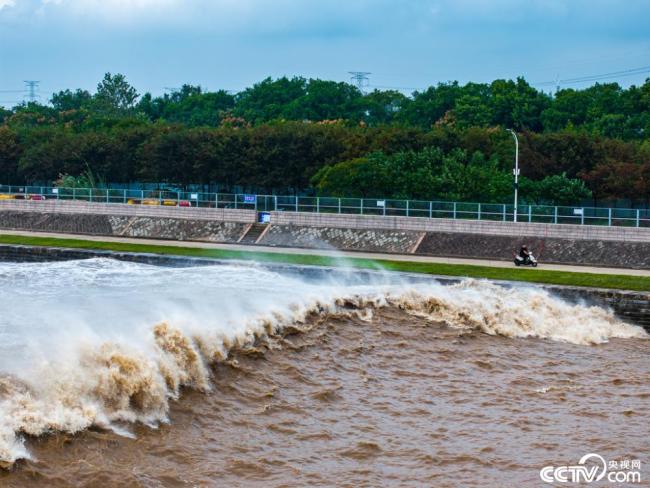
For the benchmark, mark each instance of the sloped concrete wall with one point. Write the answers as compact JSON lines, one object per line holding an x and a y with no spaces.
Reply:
{"x":181,"y":229}
{"x":624,"y":254}
{"x":124,"y":226}
{"x":56,"y":222}
{"x":154,"y":222}
{"x":350,"y":239}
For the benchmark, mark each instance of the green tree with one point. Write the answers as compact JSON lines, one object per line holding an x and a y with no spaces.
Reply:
{"x":115,"y":96}
{"x":326,"y":100}
{"x":383,"y":107}
{"x":431,"y":105}
{"x":268,"y":100}
{"x":361,"y":177}
{"x":515,"y":104}
{"x":554,"y":190}
{"x":424,"y":175}
{"x":189,"y":106}
{"x":65,"y":100}
{"x":4,"y":115}
{"x":10,"y":152}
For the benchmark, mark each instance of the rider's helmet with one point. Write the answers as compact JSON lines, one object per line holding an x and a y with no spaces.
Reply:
{"x":524,"y":246}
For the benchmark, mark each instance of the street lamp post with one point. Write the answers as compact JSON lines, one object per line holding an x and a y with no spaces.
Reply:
{"x":516,"y":170}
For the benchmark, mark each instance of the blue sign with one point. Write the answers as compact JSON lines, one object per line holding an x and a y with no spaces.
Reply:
{"x":250,"y":198}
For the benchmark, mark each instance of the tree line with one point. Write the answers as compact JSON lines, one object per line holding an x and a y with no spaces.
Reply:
{"x":293,"y":134}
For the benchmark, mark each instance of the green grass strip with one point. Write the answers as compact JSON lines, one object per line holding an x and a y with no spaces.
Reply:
{"x":621,"y":282}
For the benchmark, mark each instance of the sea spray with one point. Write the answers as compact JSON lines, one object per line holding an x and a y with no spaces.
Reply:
{"x":102,"y":342}
{"x":522,"y":312}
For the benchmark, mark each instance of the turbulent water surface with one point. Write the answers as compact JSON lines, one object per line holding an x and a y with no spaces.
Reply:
{"x":119,"y":374}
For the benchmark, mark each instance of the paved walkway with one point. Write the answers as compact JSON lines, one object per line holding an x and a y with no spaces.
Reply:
{"x":333,"y":253}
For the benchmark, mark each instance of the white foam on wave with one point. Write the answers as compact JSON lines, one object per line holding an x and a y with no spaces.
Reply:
{"x":97,"y":342}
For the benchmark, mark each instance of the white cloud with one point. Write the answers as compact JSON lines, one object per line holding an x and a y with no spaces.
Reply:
{"x":7,"y":3}
{"x":216,"y":17}
{"x":109,"y":10}
{"x":504,"y":11}
{"x":185,"y":14}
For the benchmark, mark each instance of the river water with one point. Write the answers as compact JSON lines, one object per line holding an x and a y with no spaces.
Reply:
{"x":122,"y":374}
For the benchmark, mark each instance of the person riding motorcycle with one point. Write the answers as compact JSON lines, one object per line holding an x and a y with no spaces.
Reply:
{"x":524,"y":253}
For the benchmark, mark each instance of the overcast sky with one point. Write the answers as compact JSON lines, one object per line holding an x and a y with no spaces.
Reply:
{"x":231,"y":44}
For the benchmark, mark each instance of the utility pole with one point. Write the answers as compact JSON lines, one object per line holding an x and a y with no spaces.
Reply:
{"x":360,"y":78}
{"x":31,"y":86}
{"x":516,"y":171}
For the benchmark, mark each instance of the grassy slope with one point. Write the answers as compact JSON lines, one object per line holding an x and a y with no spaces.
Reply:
{"x":515,"y":274}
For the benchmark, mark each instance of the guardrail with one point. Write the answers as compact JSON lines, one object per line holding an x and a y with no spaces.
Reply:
{"x":355,"y":206}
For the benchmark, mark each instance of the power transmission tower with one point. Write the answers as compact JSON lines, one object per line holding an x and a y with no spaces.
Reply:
{"x":32,"y":86}
{"x":360,"y":78}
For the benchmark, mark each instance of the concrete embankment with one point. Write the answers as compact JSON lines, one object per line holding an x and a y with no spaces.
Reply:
{"x":633,"y":307}
{"x":623,"y":247}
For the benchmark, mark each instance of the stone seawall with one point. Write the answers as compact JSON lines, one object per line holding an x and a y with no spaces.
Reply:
{"x":151,"y":227}
{"x":619,"y":254}
{"x":633,"y":307}
{"x":378,"y":240}
{"x":562,"y":244}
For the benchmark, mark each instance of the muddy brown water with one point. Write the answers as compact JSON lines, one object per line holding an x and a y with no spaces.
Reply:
{"x":395,"y":400}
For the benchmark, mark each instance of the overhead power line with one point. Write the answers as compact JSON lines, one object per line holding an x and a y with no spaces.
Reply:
{"x":388,"y":87}
{"x":616,"y":74}
{"x":557,"y":82}
{"x":603,"y":76}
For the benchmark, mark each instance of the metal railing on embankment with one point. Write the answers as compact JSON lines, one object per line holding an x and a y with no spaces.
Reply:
{"x":356,"y":206}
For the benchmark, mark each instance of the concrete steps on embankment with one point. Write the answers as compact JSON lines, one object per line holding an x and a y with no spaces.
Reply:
{"x":253,"y":234}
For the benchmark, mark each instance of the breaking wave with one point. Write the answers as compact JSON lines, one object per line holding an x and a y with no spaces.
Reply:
{"x":105,"y":343}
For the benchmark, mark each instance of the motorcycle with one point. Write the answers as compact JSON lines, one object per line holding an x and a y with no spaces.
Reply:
{"x":530,"y":260}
